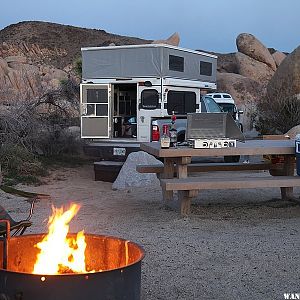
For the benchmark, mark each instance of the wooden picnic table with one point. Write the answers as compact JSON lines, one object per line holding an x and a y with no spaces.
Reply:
{"x":178,"y":161}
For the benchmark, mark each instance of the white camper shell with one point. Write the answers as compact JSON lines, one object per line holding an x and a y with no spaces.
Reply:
{"x":125,"y":88}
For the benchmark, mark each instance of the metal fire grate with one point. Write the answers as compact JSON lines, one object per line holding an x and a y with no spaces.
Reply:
{"x":117,"y":263}
{"x":212,"y":126}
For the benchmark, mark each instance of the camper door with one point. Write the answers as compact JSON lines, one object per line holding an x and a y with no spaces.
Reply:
{"x":149,"y":107}
{"x":95,"y":108}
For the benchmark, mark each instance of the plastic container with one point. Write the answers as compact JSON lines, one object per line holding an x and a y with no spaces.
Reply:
{"x":165,"y":139}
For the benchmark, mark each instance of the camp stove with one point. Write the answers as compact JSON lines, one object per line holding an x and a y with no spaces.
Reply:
{"x":212,"y":143}
{"x":212,"y":130}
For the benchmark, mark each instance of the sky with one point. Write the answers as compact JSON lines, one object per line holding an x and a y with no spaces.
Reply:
{"x":211,"y":25}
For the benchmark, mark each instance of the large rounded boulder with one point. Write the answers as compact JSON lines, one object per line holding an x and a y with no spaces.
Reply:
{"x":286,"y":79}
{"x":278,"y":57}
{"x":253,"y":69}
{"x":248,"y":44}
{"x":173,"y":40}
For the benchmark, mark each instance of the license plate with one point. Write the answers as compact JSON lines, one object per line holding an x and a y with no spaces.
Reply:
{"x":119,"y":151}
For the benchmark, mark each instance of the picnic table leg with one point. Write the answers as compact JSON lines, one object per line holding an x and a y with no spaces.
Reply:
{"x":168,"y":173}
{"x":288,"y":170}
{"x":184,"y":197}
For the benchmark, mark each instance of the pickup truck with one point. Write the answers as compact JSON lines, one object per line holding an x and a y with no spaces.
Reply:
{"x":208,"y":105}
{"x":118,"y":151}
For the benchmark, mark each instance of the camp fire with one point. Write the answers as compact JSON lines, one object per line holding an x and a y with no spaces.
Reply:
{"x":60,"y":254}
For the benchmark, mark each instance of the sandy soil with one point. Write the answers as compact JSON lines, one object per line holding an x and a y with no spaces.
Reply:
{"x":237,"y":244}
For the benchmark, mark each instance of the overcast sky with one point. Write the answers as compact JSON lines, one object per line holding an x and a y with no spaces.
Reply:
{"x":211,"y":25}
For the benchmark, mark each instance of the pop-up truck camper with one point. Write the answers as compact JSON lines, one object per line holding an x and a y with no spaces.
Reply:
{"x":128,"y":91}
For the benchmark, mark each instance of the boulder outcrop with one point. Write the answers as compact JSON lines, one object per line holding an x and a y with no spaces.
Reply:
{"x":286,"y":78}
{"x":253,"y":69}
{"x":242,"y":89}
{"x":22,"y":81}
{"x":278,"y":57}
{"x":248,"y":44}
{"x":173,"y":40}
{"x":227,"y":63}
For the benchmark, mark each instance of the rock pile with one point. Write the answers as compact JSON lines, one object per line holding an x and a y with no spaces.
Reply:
{"x":21,"y":80}
{"x":247,"y":73}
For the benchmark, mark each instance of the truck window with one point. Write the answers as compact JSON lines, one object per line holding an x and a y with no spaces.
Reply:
{"x":181,"y":102}
{"x":211,"y":105}
{"x":203,"y":107}
{"x":229,"y":108}
{"x":150,"y":99}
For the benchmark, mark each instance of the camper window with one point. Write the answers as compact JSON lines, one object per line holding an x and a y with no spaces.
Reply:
{"x":90,"y":110}
{"x":181,"y":102}
{"x":176,"y":63}
{"x":97,"y":96}
{"x":205,"y":68}
{"x":101,"y":110}
{"x":150,"y":99}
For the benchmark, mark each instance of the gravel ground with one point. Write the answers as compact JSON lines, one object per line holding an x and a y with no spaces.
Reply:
{"x":237,"y":244}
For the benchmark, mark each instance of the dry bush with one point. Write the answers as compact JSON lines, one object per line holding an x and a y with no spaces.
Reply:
{"x":278,"y":111}
{"x":39,"y":127}
{"x":16,"y":160}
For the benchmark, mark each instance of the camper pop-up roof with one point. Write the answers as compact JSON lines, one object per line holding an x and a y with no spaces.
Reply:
{"x":153,"y":60}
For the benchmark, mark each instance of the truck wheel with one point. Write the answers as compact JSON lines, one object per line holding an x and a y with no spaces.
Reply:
{"x":232,"y":159}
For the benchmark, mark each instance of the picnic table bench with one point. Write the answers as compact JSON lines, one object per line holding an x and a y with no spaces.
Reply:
{"x":207,"y":167}
{"x":177,"y":166}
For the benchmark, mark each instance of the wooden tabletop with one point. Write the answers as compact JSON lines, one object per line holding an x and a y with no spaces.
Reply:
{"x":251,"y":147}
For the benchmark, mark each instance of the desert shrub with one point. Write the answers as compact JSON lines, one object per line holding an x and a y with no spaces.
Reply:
{"x":41,"y":127}
{"x":59,"y":141}
{"x":19,"y":164}
{"x":278,"y":111}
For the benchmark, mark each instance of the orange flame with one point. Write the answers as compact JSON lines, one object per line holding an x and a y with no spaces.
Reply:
{"x":59,"y":254}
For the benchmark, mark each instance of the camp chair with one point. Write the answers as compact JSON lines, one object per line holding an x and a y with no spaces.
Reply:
{"x":18,"y":227}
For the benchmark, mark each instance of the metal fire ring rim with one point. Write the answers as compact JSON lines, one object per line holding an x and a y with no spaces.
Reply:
{"x":142,"y":256}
